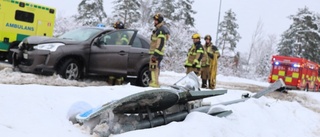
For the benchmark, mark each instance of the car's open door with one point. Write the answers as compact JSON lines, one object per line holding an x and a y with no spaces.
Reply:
{"x":110,"y":57}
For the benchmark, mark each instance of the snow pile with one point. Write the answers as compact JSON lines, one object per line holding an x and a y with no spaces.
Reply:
{"x":37,"y":110}
{"x":8,"y":76}
{"x":33,"y":106}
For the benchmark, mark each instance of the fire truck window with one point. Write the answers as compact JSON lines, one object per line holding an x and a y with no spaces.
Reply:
{"x":24,"y":16}
{"x":318,"y":72}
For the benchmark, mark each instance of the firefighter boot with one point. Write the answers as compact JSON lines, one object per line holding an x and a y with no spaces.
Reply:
{"x":212,"y":84}
{"x":119,"y":81}
{"x":154,"y":70}
{"x":154,"y":78}
{"x":111,"y":80}
{"x":204,"y":83}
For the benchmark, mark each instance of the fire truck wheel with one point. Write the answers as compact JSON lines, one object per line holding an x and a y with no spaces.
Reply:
{"x":306,"y":88}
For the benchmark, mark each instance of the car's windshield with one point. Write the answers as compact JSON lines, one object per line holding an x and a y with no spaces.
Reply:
{"x":81,"y":34}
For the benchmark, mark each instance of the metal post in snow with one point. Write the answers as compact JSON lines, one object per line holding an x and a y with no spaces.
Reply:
{"x":218,"y":24}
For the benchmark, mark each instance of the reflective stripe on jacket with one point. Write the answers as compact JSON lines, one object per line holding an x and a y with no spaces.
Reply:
{"x":158,"y":40}
{"x":205,"y":61}
{"x":195,"y":55}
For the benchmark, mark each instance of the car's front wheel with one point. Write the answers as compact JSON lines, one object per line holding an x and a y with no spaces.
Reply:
{"x":13,"y":45}
{"x":70,"y":69}
{"x":144,"y":77}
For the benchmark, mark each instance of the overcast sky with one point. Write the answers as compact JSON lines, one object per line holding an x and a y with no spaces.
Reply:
{"x":273,"y":14}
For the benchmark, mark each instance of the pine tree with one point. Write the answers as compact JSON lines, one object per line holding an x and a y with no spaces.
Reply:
{"x":165,"y":7}
{"x":91,"y":12}
{"x":302,"y":39}
{"x":175,"y":11}
{"x":228,"y":35}
{"x":127,"y":11}
{"x":185,"y":12}
{"x":145,"y":11}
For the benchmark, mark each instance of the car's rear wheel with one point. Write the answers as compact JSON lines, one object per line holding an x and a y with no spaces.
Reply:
{"x":70,"y":69}
{"x":144,"y":77}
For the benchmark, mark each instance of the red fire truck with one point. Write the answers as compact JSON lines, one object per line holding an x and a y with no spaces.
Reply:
{"x":297,"y":73}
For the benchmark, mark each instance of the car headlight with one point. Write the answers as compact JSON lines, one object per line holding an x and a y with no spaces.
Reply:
{"x":49,"y":46}
{"x":20,"y":45}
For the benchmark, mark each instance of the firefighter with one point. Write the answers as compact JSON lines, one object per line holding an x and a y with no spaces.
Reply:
{"x":158,"y":41}
{"x":209,"y":50}
{"x":195,"y":55}
{"x":121,"y":40}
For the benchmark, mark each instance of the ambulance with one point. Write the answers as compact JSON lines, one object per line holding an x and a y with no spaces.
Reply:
{"x":297,"y":73}
{"x":20,"y":19}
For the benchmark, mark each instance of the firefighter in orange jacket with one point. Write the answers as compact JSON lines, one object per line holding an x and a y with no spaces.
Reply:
{"x":209,"y":51}
{"x":195,"y":55}
{"x":158,"y":40}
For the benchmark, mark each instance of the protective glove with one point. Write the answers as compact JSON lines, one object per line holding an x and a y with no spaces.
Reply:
{"x":156,"y":55}
{"x":196,"y":72}
{"x":194,"y":65}
{"x":154,"y":58}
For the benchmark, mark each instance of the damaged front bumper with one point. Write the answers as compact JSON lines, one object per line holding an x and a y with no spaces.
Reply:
{"x":35,"y":61}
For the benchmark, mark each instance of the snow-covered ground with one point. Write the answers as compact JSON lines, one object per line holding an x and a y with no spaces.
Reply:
{"x":37,"y":106}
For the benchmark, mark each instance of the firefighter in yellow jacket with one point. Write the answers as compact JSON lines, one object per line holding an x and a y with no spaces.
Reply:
{"x":209,"y":52}
{"x":158,"y":41}
{"x":121,"y":40}
{"x":195,"y":55}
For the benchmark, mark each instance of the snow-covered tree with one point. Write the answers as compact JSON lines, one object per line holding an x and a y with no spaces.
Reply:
{"x":175,"y":10}
{"x":91,"y":12}
{"x":185,"y":12}
{"x":228,"y":38}
{"x":302,"y":39}
{"x":146,"y":11}
{"x":177,"y":47}
{"x":165,"y":7}
{"x":126,"y":11}
{"x":257,"y":40}
{"x":64,"y":24}
{"x":263,"y":55}
{"x":228,"y":34}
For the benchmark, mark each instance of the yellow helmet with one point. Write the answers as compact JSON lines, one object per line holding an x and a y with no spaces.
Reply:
{"x":196,"y":36}
{"x":158,"y":17}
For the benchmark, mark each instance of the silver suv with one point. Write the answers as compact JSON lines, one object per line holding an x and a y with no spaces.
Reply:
{"x":85,"y":52}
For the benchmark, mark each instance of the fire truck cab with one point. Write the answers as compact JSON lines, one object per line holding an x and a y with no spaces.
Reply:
{"x":297,"y":73}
